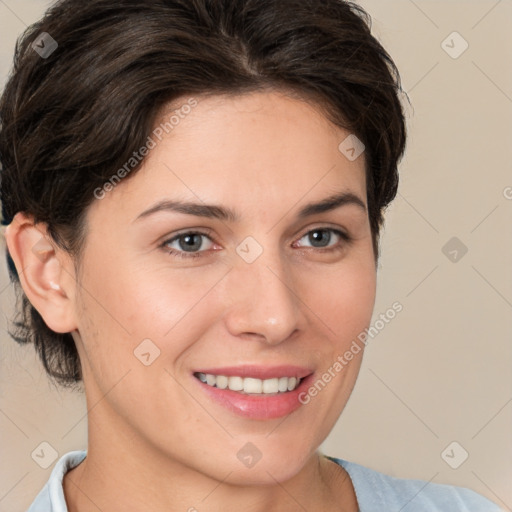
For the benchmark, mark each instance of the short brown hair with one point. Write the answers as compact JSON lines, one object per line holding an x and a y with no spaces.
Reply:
{"x":70,"y":119}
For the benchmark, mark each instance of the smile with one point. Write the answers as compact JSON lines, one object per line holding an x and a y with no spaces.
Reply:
{"x":250,"y":385}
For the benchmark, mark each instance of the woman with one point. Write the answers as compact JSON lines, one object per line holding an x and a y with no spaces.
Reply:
{"x":256,"y":130}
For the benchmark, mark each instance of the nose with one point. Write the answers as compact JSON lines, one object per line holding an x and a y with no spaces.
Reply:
{"x":263,"y":302}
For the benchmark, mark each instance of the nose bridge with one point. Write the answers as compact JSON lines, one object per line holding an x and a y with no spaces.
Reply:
{"x":264,"y":301}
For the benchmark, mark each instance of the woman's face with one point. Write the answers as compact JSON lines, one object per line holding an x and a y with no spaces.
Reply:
{"x":268,"y":294}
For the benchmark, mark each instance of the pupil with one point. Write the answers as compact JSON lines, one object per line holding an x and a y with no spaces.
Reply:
{"x":313,"y":236}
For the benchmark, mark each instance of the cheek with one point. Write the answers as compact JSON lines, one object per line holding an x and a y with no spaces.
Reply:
{"x":343,"y":297}
{"x":127,"y":303}
{"x":166,"y":302}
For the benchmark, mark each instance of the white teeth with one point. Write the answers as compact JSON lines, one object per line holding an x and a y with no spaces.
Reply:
{"x":250,"y":385}
{"x":291,"y":383}
{"x":234,"y":383}
{"x":222,"y":381}
{"x":271,"y":385}
{"x":283,"y":384}
{"x":253,"y":385}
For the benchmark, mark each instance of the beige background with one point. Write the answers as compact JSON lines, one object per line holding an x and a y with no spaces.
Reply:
{"x":441,"y":370}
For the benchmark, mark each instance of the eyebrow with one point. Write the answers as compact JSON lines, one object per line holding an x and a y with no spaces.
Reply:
{"x":226,"y":214}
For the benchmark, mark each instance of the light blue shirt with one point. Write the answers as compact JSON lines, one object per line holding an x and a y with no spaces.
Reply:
{"x":376,"y":492}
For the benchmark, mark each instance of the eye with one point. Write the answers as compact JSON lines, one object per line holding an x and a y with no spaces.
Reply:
{"x":321,"y":237}
{"x":187,"y":244}
{"x":190,"y":243}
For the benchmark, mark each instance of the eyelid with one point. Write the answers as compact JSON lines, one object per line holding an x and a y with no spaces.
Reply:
{"x":206,"y":232}
{"x":323,"y":226}
{"x":344,"y":236}
{"x":186,"y":231}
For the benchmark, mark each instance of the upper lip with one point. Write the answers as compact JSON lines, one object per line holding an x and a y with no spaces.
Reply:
{"x":259,"y":372}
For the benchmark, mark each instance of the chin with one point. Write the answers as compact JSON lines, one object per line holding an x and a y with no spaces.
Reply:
{"x":258,"y":462}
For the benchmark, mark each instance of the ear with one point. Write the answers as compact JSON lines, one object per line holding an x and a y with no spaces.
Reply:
{"x":46,"y":272}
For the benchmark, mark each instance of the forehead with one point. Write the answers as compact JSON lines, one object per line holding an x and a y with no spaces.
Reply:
{"x":257,"y":152}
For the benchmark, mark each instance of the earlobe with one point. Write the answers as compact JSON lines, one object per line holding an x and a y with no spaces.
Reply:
{"x":40,"y":266}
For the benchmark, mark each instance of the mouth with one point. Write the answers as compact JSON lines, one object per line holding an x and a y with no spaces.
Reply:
{"x":250,"y":385}
{"x":256,"y":392}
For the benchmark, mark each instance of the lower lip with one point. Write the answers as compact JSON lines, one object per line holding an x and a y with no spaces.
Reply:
{"x":258,"y":407}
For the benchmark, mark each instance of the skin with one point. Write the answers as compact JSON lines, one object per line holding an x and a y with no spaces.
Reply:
{"x":154,"y":441}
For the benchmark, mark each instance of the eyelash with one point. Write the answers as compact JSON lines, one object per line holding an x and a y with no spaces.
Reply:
{"x":347,"y":239}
